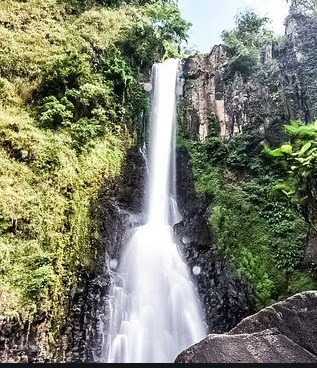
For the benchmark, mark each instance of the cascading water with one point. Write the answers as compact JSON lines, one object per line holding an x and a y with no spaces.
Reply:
{"x":155,"y":311}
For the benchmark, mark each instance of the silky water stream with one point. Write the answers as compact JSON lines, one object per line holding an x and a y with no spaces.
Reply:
{"x":154,"y":309}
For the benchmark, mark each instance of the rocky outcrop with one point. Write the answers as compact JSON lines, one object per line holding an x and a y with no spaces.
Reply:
{"x":268,"y":346}
{"x":297,"y":61}
{"x":221,"y":98}
{"x":218,"y":101}
{"x":284,"y":332}
{"x":24,"y":343}
{"x":203,"y":103}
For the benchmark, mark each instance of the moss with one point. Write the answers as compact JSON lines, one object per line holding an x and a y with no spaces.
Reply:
{"x":262,"y":238}
{"x":70,"y":99}
{"x":45,"y":195}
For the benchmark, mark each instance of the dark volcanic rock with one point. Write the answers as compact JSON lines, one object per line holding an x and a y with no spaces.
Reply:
{"x":116,"y":211}
{"x":285,"y":332}
{"x":24,"y":343}
{"x":311,"y":249}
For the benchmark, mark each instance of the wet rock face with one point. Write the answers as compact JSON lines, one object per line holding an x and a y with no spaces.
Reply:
{"x":285,"y":332}
{"x":23,"y":344}
{"x":225,"y":298}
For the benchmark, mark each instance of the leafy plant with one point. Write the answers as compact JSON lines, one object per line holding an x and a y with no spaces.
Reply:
{"x":300,"y":161}
{"x":246,"y":41}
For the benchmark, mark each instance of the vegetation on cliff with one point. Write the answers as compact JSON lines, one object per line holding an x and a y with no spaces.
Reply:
{"x":262,"y":234}
{"x":257,"y":231}
{"x":70,"y":98}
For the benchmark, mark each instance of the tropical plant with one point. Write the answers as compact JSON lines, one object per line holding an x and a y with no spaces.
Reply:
{"x":299,"y":157}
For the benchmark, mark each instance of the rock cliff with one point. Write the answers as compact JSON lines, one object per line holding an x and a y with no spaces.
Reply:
{"x":225,"y":297}
{"x":283,"y":87}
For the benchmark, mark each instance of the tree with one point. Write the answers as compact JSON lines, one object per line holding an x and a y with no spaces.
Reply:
{"x":84,"y":4}
{"x":307,"y":7}
{"x":246,"y":41}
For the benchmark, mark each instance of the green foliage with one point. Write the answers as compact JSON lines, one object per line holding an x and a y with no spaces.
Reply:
{"x":46,"y":190}
{"x":261,"y":236}
{"x":246,"y":41}
{"x":66,"y":73}
{"x":300,"y":280}
{"x":300,"y":162}
{"x":156,"y":34}
{"x":213,"y":126}
{"x":54,"y":112}
{"x":308,"y":7}
{"x":80,"y":5}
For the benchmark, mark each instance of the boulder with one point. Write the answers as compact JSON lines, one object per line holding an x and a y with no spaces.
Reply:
{"x":268,"y":346}
{"x":285,"y":332}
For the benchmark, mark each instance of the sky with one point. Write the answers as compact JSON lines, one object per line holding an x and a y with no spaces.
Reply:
{"x":210,"y":17}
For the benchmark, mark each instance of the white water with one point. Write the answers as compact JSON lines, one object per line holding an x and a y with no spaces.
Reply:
{"x":155,"y":311}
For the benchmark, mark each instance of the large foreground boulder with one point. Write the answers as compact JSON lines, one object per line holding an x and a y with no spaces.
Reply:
{"x":285,"y":332}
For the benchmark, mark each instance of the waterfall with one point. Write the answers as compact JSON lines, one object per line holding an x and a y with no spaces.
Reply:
{"x":155,"y":313}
